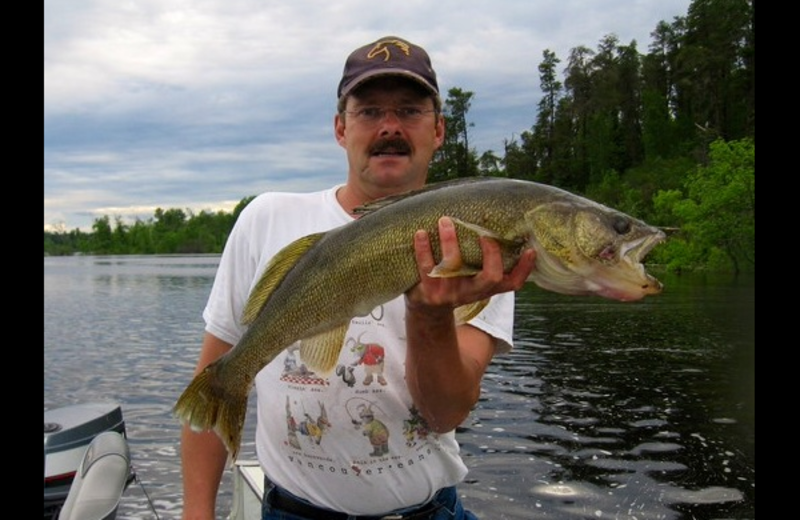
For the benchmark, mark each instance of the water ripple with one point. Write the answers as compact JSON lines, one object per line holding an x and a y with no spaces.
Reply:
{"x":602,"y":410}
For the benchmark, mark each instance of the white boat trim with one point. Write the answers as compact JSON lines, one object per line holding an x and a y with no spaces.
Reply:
{"x":248,"y":490}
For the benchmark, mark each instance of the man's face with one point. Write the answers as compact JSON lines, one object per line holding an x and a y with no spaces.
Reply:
{"x":390,"y":132}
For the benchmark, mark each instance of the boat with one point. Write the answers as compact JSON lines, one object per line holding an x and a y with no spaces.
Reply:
{"x":87,"y":466}
{"x":86,"y":461}
{"x":248,"y":490}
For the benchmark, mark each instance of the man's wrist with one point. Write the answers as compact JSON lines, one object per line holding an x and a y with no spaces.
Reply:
{"x":427,"y":311}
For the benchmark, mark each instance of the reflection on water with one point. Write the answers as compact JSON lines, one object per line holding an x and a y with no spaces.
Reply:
{"x":611,"y":410}
{"x":640,"y":410}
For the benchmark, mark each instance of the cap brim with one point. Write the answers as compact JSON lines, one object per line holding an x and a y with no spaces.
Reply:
{"x":374,"y":74}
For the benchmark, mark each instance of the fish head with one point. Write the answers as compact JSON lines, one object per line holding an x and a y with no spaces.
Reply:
{"x":586,"y":248}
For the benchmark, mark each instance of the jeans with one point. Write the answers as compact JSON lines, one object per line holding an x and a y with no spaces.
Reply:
{"x":451,"y":507}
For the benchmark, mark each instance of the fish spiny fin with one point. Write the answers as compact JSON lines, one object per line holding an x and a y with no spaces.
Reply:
{"x":321,"y":352}
{"x":377,"y":204}
{"x":466,"y":312}
{"x":274,"y":273}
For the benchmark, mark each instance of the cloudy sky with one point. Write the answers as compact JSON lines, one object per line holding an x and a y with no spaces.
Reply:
{"x":196,"y":104}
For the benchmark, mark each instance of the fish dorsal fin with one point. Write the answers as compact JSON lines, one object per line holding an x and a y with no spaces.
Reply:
{"x":377,"y":204}
{"x":466,"y":312}
{"x":321,"y":352}
{"x":277,"y":268}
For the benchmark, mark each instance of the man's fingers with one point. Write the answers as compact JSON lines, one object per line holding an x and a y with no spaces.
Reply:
{"x":448,"y":240}
{"x":423,"y":252}
{"x":492,"y":260}
{"x":519,"y":275}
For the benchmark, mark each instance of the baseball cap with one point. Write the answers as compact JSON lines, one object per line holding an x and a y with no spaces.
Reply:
{"x":388,"y":56}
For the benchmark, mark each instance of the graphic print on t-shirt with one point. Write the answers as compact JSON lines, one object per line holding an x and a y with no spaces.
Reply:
{"x":373,"y":429}
{"x":295,"y":371}
{"x":311,"y":427}
{"x":369,"y":356}
{"x":363,"y":403}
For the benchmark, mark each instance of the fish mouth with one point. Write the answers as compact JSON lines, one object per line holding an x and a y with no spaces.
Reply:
{"x":635,"y":251}
{"x":632,"y":253}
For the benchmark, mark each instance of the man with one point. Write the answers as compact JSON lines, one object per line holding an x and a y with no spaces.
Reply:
{"x":347,"y":446}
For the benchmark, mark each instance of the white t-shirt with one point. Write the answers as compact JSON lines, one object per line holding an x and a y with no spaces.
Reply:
{"x":351,"y":441}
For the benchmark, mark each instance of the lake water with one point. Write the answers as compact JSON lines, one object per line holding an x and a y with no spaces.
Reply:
{"x":604,"y":410}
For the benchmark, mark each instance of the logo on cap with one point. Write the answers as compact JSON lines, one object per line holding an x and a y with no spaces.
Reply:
{"x":382,"y":48}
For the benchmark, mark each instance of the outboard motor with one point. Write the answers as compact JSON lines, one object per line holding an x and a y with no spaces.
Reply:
{"x":68,"y":431}
{"x":100,"y":480}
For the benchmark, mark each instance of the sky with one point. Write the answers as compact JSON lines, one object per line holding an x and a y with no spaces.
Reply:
{"x":197,"y":104}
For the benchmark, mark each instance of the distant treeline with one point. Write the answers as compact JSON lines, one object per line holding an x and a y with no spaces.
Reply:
{"x":171,"y":231}
{"x":667,"y":136}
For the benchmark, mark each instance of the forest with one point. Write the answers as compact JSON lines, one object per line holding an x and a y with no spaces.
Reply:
{"x":666,"y":135}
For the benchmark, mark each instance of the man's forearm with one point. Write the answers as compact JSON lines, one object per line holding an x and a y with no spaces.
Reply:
{"x":443,"y":379}
{"x":203,"y":458}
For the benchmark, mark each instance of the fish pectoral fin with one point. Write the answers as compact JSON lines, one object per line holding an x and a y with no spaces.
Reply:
{"x":452,"y":269}
{"x":321,"y":352}
{"x":466,"y":312}
{"x":275,"y":271}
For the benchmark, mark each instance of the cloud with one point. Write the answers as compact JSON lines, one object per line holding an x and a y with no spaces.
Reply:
{"x":194,"y":104}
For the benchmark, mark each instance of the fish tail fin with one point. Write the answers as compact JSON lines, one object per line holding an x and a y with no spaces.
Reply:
{"x":205,"y":405}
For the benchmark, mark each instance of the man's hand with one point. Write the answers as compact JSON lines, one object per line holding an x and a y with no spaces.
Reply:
{"x":461,"y":290}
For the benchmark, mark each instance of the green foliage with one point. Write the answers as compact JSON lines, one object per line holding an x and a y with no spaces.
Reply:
{"x":65,"y":242}
{"x":102,"y":238}
{"x":455,"y":158}
{"x":614,"y":191}
{"x":716,"y":209}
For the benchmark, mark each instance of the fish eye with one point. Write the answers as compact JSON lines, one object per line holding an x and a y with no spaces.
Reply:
{"x":621,"y":225}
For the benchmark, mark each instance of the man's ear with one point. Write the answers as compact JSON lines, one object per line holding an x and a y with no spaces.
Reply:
{"x":338,"y":129}
{"x":440,"y":131}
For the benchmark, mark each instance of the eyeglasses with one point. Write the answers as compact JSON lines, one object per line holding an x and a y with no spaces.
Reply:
{"x":373,"y":115}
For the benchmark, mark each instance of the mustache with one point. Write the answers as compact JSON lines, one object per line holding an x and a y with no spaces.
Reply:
{"x":391,"y":145}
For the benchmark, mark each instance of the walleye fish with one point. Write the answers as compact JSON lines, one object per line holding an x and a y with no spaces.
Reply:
{"x":314,"y":286}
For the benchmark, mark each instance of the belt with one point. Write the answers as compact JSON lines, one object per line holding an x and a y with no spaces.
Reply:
{"x":285,"y":501}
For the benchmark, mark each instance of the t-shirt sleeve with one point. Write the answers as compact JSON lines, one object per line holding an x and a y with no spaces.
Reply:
{"x":233,"y":280}
{"x":497,"y":320}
